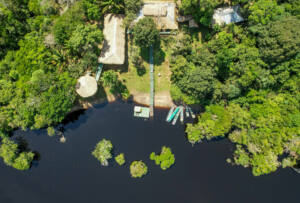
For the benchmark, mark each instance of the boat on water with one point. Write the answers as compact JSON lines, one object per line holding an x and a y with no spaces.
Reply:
{"x":181,"y":114}
{"x":191,"y":112}
{"x":170,"y":113}
{"x":177,"y":115}
{"x":187,"y":114}
{"x":173,"y":114}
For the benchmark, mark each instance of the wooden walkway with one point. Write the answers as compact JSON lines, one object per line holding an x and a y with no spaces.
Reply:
{"x":151,"y":82}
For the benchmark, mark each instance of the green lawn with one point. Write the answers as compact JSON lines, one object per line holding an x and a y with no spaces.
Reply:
{"x":141,"y":83}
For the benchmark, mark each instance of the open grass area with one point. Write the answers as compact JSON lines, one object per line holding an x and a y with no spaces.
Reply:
{"x":137,"y":79}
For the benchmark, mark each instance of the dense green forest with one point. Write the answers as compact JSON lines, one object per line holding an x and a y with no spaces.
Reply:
{"x":246,"y":76}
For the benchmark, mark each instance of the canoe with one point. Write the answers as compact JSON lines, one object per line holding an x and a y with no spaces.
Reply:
{"x":187,"y":114}
{"x":177,"y":115}
{"x":181,"y":114}
{"x":191,"y":112}
{"x":170,"y":113}
{"x":173,"y":114}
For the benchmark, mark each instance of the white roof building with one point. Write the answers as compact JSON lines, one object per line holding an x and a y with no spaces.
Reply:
{"x":227,"y":15}
{"x":113,"y":50}
{"x":163,"y":13}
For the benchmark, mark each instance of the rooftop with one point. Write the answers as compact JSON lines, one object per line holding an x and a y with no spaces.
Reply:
{"x":86,"y":86}
{"x":113,"y":50}
{"x":227,"y":15}
{"x":163,"y":13}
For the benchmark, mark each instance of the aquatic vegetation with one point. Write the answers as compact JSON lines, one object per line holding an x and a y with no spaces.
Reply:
{"x":120,"y":159}
{"x":13,"y":157}
{"x":138,"y":169}
{"x":166,"y":158}
{"x":102,"y":151}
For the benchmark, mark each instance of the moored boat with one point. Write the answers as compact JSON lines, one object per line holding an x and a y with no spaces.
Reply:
{"x":187,"y":114}
{"x":170,"y":113}
{"x":177,"y":115}
{"x":173,"y":114}
{"x":181,"y":114}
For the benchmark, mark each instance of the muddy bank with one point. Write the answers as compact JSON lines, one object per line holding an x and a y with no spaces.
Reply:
{"x":161,"y":99}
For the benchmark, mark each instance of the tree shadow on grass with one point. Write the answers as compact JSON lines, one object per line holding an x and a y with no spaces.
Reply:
{"x":158,"y":54}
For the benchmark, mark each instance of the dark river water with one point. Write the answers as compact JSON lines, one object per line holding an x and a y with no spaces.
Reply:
{"x":69,"y":173}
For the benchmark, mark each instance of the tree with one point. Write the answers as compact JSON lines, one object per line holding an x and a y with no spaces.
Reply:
{"x":145,"y":32}
{"x":202,"y":10}
{"x":23,"y":161}
{"x":165,"y":159}
{"x":84,"y":37}
{"x":120,"y":159}
{"x":12,"y":157}
{"x":138,"y":169}
{"x":278,"y":41}
{"x":102,"y":151}
{"x":112,"y":6}
{"x":264,"y":11}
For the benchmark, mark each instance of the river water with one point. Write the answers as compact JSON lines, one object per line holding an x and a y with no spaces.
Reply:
{"x":69,"y":173}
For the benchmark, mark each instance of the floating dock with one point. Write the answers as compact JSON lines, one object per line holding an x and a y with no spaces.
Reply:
{"x":142,"y":112}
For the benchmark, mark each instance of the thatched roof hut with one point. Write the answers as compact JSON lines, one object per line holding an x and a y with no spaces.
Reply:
{"x":227,"y":15}
{"x":113,"y":50}
{"x":163,"y":13}
{"x":86,"y":86}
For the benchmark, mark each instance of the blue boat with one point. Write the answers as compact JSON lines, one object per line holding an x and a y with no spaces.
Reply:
{"x":170,"y":113}
{"x":173,"y":114}
{"x":177,"y":115}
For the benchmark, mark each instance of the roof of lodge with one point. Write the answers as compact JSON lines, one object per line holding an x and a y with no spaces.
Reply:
{"x":113,"y":50}
{"x":163,"y":13}
{"x":86,"y":86}
{"x":227,"y":15}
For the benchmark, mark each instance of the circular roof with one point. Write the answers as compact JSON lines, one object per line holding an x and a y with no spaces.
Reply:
{"x":86,"y":86}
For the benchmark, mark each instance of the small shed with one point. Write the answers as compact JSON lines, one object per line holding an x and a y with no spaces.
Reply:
{"x":86,"y":86}
{"x":163,"y":13}
{"x":227,"y":15}
{"x":113,"y":50}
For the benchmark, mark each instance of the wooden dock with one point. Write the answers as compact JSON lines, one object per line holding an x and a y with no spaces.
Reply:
{"x":151,"y":82}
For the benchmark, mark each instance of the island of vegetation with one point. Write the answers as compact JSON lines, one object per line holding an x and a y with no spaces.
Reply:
{"x":120,"y":159}
{"x":102,"y":151}
{"x":243,"y":74}
{"x":138,"y":169}
{"x":165,"y":159}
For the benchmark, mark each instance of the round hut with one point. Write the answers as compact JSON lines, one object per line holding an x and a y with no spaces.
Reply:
{"x":86,"y":86}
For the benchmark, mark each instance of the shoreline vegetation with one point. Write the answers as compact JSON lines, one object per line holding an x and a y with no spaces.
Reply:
{"x":245,"y":75}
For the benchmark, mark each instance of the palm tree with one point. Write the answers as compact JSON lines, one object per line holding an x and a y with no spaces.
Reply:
{"x":112,"y":6}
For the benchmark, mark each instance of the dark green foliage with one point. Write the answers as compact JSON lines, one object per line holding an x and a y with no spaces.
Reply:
{"x":132,"y":7}
{"x":278,"y":41}
{"x":138,"y":169}
{"x":102,"y":151}
{"x":145,"y":33}
{"x":165,"y":159}
{"x":13,"y":157}
{"x":264,"y":11}
{"x":13,"y":25}
{"x":202,"y":10}
{"x":67,"y":23}
{"x":83,"y":38}
{"x":110,"y":79}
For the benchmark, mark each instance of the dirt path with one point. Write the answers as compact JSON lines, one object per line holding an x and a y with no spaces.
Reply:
{"x":161,"y":99}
